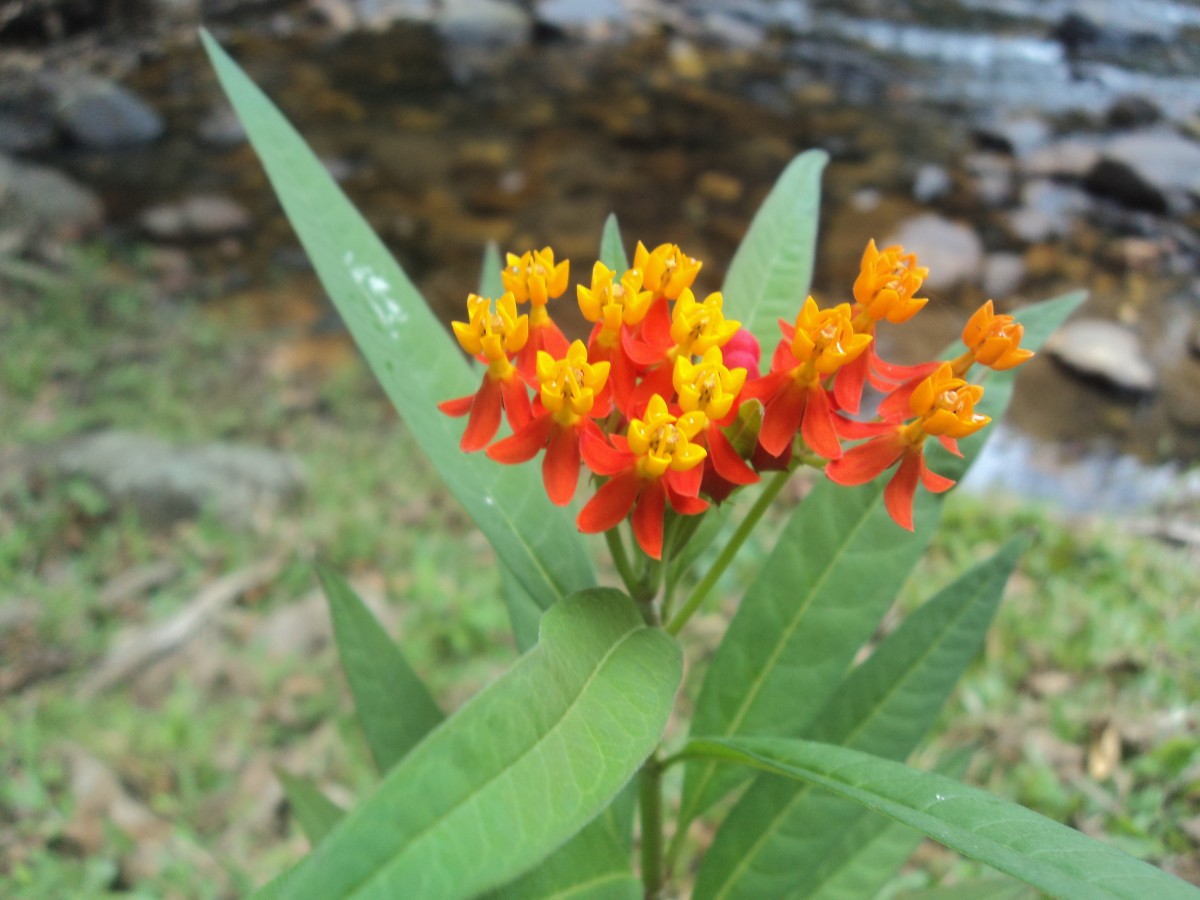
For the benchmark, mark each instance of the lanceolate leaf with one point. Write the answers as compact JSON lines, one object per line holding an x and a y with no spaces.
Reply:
{"x":409,"y":351}
{"x":394,"y":706}
{"x":1052,"y":857}
{"x":779,"y":832}
{"x":771,"y":272}
{"x":315,"y":812}
{"x":832,"y":574}
{"x":523,"y":613}
{"x":516,"y":772}
{"x":490,"y":282}
{"x":612,"y":250}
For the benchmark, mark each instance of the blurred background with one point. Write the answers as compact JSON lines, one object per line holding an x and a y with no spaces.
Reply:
{"x":185,"y":425}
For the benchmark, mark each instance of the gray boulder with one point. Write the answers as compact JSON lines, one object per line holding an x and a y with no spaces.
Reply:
{"x":102,"y":115}
{"x":1106,"y":352}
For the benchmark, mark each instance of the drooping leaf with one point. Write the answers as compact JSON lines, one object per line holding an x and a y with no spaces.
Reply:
{"x":612,"y":249}
{"x":316,"y":813}
{"x":833,"y":572}
{"x":394,"y":706}
{"x":771,"y":272}
{"x":1017,"y":841}
{"x":780,"y":832}
{"x":516,"y":772}
{"x":411,"y":354}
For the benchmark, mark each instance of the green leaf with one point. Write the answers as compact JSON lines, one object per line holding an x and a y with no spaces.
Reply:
{"x":832,"y":574}
{"x":612,"y":248}
{"x":523,"y":613}
{"x":411,"y":354}
{"x":394,"y":706}
{"x":1019,"y":842}
{"x":490,"y":283}
{"x":779,"y":832}
{"x":315,"y":812}
{"x":993,"y":888}
{"x":516,"y":772}
{"x":594,"y":865}
{"x":771,"y":271}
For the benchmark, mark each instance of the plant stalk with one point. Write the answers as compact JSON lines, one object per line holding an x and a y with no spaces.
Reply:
{"x":652,"y":830}
{"x":701,"y":591}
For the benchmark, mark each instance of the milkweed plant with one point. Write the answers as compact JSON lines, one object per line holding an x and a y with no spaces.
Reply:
{"x":648,"y":433}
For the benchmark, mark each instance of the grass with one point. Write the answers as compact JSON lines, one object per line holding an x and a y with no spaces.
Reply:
{"x":1095,"y":643}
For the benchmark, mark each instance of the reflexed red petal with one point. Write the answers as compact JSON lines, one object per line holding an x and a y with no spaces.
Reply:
{"x":898,"y":495}
{"x":686,"y":483}
{"x":685,"y":506}
{"x":862,"y":463}
{"x":657,"y":381}
{"x":818,"y":428}
{"x":725,"y":459}
{"x":766,"y":462}
{"x":849,"y":382}
{"x":656,"y":326}
{"x":950,"y":444}
{"x":610,"y":504}
{"x":851,"y":430}
{"x":459,"y":406}
{"x":524,"y":444}
{"x":934,"y":483}
{"x":601,"y":457}
{"x":716,"y":487}
{"x":648,"y":518}
{"x":895,"y":405}
{"x":896,"y":373}
{"x":781,"y":418}
{"x":516,"y":403}
{"x":763,"y":389}
{"x":560,"y":467}
{"x":782,"y":359}
{"x":485,"y":417}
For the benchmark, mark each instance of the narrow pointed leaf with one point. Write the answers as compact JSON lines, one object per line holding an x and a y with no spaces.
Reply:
{"x":394,"y":706}
{"x":779,"y":832}
{"x":612,"y":248}
{"x":516,"y":772}
{"x":411,"y":354}
{"x":316,"y":813}
{"x":772,"y":271}
{"x":1019,"y":842}
{"x":490,"y":282}
{"x":994,"y":888}
{"x":523,"y":613}
{"x":833,"y":572}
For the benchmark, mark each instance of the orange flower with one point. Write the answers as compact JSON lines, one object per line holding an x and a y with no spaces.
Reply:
{"x":709,"y":387}
{"x":993,"y":341}
{"x":492,"y":335}
{"x":534,"y":277}
{"x":655,"y":463}
{"x":666,"y":270}
{"x":793,"y":394}
{"x":944,"y":406}
{"x":571,"y":394}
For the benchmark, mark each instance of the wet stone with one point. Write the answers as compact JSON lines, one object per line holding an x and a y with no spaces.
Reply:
{"x":1071,"y":157}
{"x":1048,"y":210}
{"x":222,"y":128}
{"x":932,"y":182}
{"x":200,"y":216}
{"x":1016,"y":136}
{"x":1106,"y":352}
{"x":1002,"y":274}
{"x":951,"y":250}
{"x":102,"y":115}
{"x":1155,"y":169}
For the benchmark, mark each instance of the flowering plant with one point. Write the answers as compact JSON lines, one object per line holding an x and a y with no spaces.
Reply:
{"x":664,"y":416}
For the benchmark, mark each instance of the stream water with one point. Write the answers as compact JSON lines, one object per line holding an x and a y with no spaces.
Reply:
{"x":447,"y":140}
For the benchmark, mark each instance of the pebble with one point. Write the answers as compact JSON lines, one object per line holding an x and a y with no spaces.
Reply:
{"x":1106,"y":351}
{"x":101,"y":115}
{"x":932,"y":182}
{"x":1155,"y":169}
{"x":1002,"y":274}
{"x":199,"y":216}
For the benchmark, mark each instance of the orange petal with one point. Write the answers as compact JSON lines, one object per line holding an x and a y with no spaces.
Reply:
{"x":934,"y":483}
{"x":601,"y":457}
{"x":516,"y":403}
{"x":725,"y":459}
{"x":648,"y":518}
{"x":817,"y":426}
{"x":484,"y":421}
{"x":524,"y":444}
{"x":862,"y":463}
{"x":610,"y":504}
{"x":459,"y":406}
{"x":560,"y":467}
{"x":850,"y":380}
{"x":781,"y":419}
{"x":898,"y":495}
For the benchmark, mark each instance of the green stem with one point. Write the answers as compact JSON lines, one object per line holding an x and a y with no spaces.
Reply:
{"x":701,"y":591}
{"x":652,"y":831}
{"x":616,"y":546}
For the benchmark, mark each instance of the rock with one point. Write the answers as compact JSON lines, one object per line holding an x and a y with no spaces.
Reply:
{"x":1105,"y":351}
{"x":1132,"y":111}
{"x":1071,"y":157}
{"x":102,"y":115}
{"x":483,"y":22}
{"x":593,"y":20}
{"x":199,"y":216}
{"x":1048,"y":211}
{"x":1155,"y":169}
{"x":1002,"y":273}
{"x":222,"y":128}
{"x":932,"y":182}
{"x":951,"y":250}
{"x":166,"y":483}
{"x":38,"y":202}
{"x":25,"y":132}
{"x":1016,"y":136}
{"x":992,"y":175}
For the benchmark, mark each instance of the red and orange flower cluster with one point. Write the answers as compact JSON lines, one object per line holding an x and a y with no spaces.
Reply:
{"x":665,"y":406}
